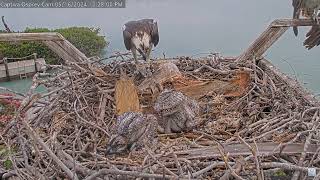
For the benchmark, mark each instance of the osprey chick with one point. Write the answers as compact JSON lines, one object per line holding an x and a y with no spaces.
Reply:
{"x":132,"y":131}
{"x":309,"y":9}
{"x":140,"y":36}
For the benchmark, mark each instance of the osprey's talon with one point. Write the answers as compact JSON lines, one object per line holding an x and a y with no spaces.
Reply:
{"x":315,"y":18}
{"x":149,"y":68}
{"x":141,"y":69}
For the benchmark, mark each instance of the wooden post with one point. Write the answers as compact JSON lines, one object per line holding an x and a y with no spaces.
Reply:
{"x":35,"y":62}
{"x":55,"y":41}
{"x":262,"y":43}
{"x":5,"y":62}
{"x":8,"y":37}
{"x":275,"y":30}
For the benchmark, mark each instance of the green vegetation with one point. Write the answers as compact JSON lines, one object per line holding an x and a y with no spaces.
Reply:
{"x":87,"y":40}
{"x":7,"y":164}
{"x":280,"y":173}
{"x":4,"y":154}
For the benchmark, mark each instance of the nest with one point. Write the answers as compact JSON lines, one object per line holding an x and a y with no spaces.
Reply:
{"x":262,"y":129}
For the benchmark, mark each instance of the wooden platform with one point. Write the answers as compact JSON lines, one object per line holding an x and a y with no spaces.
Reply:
{"x":21,"y":69}
{"x":265,"y":149}
{"x":274,"y":31}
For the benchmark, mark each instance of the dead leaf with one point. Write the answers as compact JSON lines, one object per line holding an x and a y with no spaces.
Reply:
{"x":98,"y":71}
{"x":241,"y":83}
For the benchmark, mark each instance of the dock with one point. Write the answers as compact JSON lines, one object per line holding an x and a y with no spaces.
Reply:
{"x":21,"y":68}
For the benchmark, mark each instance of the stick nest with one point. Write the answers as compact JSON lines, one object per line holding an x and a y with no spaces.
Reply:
{"x":63,"y":132}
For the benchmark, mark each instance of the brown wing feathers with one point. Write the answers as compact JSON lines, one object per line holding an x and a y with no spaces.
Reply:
{"x":127,"y":39}
{"x":313,"y":37}
{"x":155,"y":34}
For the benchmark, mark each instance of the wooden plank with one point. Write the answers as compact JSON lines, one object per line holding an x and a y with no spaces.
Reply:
{"x":275,"y":30}
{"x":7,"y":69}
{"x":294,"y":85}
{"x":7,"y":37}
{"x":270,"y":40}
{"x":126,"y":96}
{"x":293,"y":22}
{"x":55,"y":41}
{"x":35,"y":62}
{"x":262,"y":43}
{"x":59,"y":51}
{"x":265,"y":149}
{"x":71,"y":50}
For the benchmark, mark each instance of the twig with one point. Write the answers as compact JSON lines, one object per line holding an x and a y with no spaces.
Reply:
{"x":164,"y":167}
{"x":285,"y":166}
{"x":36,"y":138}
{"x":226,"y":159}
{"x":255,"y":152}
{"x":206,"y":169}
{"x":104,"y":172}
{"x":296,"y":174}
{"x":5,"y":25}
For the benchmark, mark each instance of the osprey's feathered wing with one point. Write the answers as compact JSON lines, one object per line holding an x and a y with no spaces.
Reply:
{"x":308,"y":8}
{"x":140,"y":36}
{"x":313,"y":37}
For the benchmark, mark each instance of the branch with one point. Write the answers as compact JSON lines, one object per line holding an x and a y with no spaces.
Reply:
{"x":303,"y":156}
{"x":225,"y":158}
{"x":208,"y":168}
{"x":293,"y":22}
{"x":5,"y":25}
{"x":103,"y":172}
{"x":285,"y":166}
{"x":254,"y":151}
{"x":37,"y":139}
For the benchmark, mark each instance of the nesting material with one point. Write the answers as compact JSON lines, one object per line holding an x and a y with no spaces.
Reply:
{"x":252,"y":134}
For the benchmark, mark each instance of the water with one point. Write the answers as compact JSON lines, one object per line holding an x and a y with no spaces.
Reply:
{"x":21,"y":86}
{"x":189,"y":27}
{"x":18,"y":85}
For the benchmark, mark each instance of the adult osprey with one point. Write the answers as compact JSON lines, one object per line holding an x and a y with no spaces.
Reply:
{"x":140,"y":36}
{"x":308,"y":8}
{"x":313,"y":37}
